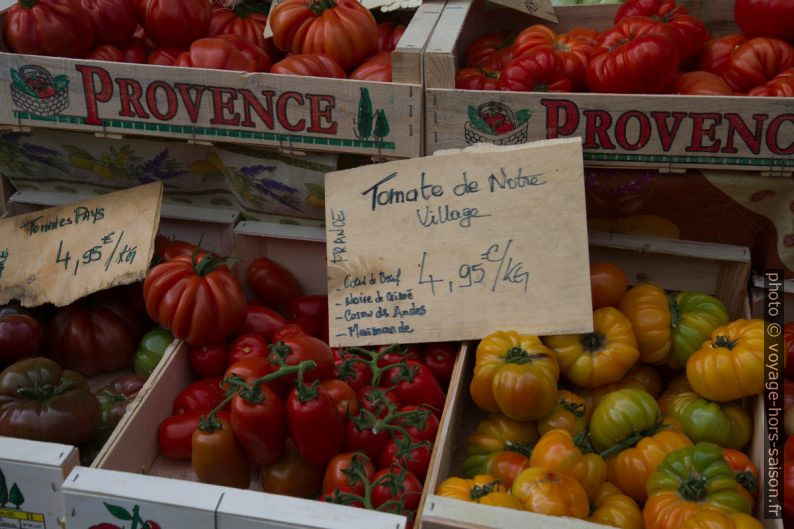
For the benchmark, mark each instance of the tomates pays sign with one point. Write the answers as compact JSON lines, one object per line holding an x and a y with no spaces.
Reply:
{"x":286,"y":111}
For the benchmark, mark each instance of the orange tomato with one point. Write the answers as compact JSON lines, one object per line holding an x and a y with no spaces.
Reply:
{"x":647,"y":308}
{"x":547,"y":491}
{"x":573,"y":456}
{"x":615,"y":509}
{"x":608,"y":285}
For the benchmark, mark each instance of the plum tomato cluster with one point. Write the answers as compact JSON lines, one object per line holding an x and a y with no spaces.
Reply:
{"x":579,"y":425}
{"x":272,"y":400}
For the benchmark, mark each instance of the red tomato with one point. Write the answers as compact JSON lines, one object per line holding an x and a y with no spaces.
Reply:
{"x":263,"y":321}
{"x":690,"y":32}
{"x":440,"y":359}
{"x":788,"y":393}
{"x":295,"y":349}
{"x":766,"y":18}
{"x":336,"y":473}
{"x":782,"y":85}
{"x":164,"y":56}
{"x":175,"y":23}
{"x":20,"y":336}
{"x":253,"y":52}
{"x":369,"y":400}
{"x":608,"y":284}
{"x":415,"y":384}
{"x":200,"y":396}
{"x":409,"y":489}
{"x":290,"y":329}
{"x":359,"y":375}
{"x":106,"y":52}
{"x":389,"y":34}
{"x":638,"y":56}
{"x":700,"y":84}
{"x":537,"y":70}
{"x":575,"y":49}
{"x":345,"y":30}
{"x":175,"y":248}
{"x":376,"y":68}
{"x":309,"y":65}
{"x":364,"y":439}
{"x":416,"y":461}
{"x":260,"y":425}
{"x":344,"y":396}
{"x":428,"y":433}
{"x":134,"y":52}
{"x":716,"y":52}
{"x":62,"y":28}
{"x":114,"y":20}
{"x":492,"y":51}
{"x":199,"y":302}
{"x":247,"y":346}
{"x":315,"y":426}
{"x":314,"y":307}
{"x":216,"y":53}
{"x":273,"y":284}
{"x":756,"y":62}
{"x":477,"y":79}
{"x":176,"y":432}
{"x":246,"y":20}
{"x":140,"y":34}
{"x":505,"y":466}
{"x":255,"y":368}
{"x":209,"y":360}
{"x":788,"y":491}
{"x":398,"y":355}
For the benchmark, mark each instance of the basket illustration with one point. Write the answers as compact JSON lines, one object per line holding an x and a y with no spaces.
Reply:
{"x":35,"y":89}
{"x":517,"y":135}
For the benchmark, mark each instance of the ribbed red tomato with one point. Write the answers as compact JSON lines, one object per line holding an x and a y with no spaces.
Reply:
{"x":389,"y":34}
{"x":246,"y":20}
{"x":756,"y":62}
{"x":114,"y":20}
{"x":638,"y":56}
{"x":106,"y":52}
{"x":492,"y":51}
{"x":781,"y":86}
{"x":766,"y":18}
{"x":700,"y":84}
{"x":312,"y":65}
{"x":199,"y":302}
{"x":575,"y":48}
{"x":376,"y":68}
{"x":691,"y":33}
{"x":175,"y":23}
{"x":538,"y":70}
{"x":477,"y":79}
{"x":716,"y":52}
{"x":218,"y":53}
{"x":61,"y":28}
{"x":164,"y":56}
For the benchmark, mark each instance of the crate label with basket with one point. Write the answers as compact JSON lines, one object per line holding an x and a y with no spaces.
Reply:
{"x":211,"y":105}
{"x":62,"y":254}
{"x":467,"y":257}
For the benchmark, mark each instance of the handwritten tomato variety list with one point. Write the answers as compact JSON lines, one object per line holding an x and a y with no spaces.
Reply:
{"x":445,"y":247}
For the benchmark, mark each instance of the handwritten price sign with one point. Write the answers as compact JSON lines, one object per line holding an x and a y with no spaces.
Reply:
{"x":456,"y":246}
{"x":61,"y":254}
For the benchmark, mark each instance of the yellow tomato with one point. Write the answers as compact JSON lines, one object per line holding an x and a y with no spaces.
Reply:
{"x":730,"y":365}
{"x":483,"y":489}
{"x":515,"y":375}
{"x":600,"y":357}
{"x":570,"y":412}
{"x":547,"y":491}
{"x":615,"y":509}
{"x":647,"y":308}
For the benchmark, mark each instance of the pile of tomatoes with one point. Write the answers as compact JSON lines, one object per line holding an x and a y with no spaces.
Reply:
{"x":654,"y":47}
{"x":325,"y":38}
{"x":581,"y":420}
{"x":349,"y":426}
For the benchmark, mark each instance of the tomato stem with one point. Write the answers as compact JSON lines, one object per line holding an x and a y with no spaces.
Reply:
{"x":525,"y":449}
{"x":480,"y":491}
{"x":318,"y":6}
{"x":44,"y":392}
{"x":208,"y":263}
{"x":693,"y":488}
{"x":576,"y":408}
{"x":635,"y":438}
{"x":746,"y":479}
{"x":593,"y":342}
{"x":28,"y":4}
{"x":675,"y":312}
{"x":517,"y":355}
{"x":724,"y":341}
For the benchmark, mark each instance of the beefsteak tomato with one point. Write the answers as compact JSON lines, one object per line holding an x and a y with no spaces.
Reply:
{"x":114,"y":20}
{"x":41,"y":401}
{"x":483,"y":488}
{"x":537,"y":70}
{"x":571,"y":412}
{"x":613,"y":508}
{"x":62,"y":28}
{"x":344,"y":30}
{"x":746,"y":472}
{"x":310,"y":65}
{"x":175,"y":23}
{"x":561,"y":451}
{"x":690,"y":32}
{"x":694,"y":317}
{"x":494,"y":434}
{"x":106,"y":52}
{"x":782,"y":85}
{"x":648,"y":309}
{"x":700,"y":84}
{"x":246,"y":20}
{"x":216,"y":53}
{"x":376,"y":68}
{"x":716,"y":52}
{"x":710,"y":519}
{"x":20,"y":335}
{"x":603,"y":356}
{"x":492,"y":51}
{"x":575,"y":48}
{"x":550,"y":492}
{"x":637,"y":56}
{"x":620,"y":415}
{"x":199,"y":302}
{"x":756,"y":62}
{"x":511,"y":370}
{"x":765,"y":18}
{"x":389,"y":35}
{"x":164,"y":56}
{"x":114,"y":398}
{"x":477,"y":79}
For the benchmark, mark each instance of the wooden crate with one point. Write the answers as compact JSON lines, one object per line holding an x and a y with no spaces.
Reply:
{"x":288,"y":112}
{"x":300,"y":249}
{"x":211,"y":228}
{"x":663,"y":262}
{"x":664,"y":132}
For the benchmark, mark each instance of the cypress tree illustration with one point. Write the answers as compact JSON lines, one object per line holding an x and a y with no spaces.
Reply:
{"x":381,"y":125}
{"x":15,"y":496}
{"x":364,"y":122}
{"x":3,"y":490}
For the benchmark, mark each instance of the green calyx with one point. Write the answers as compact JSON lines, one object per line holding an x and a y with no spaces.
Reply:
{"x":480,"y":491}
{"x":724,"y":341}
{"x":525,"y":449}
{"x":593,"y":342}
{"x":208,"y":264}
{"x":693,"y":488}
{"x":517,"y":355}
{"x":43,"y":393}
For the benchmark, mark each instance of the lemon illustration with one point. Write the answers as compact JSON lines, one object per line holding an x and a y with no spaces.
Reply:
{"x":104,"y":172}
{"x":215,"y":160}
{"x":201,"y":167}
{"x":81,"y":163}
{"x":315,"y":201}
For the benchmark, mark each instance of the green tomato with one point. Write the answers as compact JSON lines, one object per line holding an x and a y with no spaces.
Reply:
{"x":622,"y":416}
{"x":728,"y":425}
{"x":694,"y":318}
{"x":700,"y":474}
{"x":151,"y":350}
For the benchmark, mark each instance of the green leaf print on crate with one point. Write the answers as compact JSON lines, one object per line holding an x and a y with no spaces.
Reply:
{"x":249,"y":183}
{"x":316,"y":198}
{"x":124,"y":163}
{"x":368,"y":122}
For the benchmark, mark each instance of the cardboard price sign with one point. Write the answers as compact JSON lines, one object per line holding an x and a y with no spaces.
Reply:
{"x":457,"y":246}
{"x":59,"y":255}
{"x":537,"y":8}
